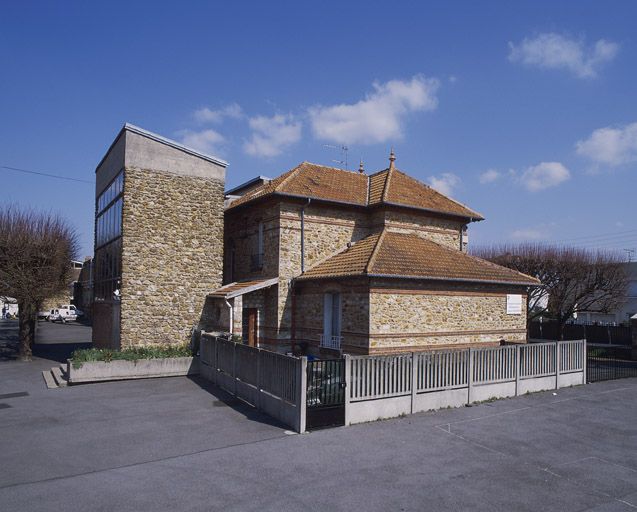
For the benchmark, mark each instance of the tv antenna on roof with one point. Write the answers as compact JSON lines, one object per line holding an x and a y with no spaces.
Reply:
{"x":343,"y":149}
{"x":630,"y":253}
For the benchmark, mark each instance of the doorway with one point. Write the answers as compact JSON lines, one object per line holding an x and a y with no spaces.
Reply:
{"x":250,"y":331}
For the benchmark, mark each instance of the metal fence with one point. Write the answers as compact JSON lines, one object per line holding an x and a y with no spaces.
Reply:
{"x":608,"y":363}
{"x":594,"y":333}
{"x":388,"y":386}
{"x":375,"y":387}
{"x":271,"y":382}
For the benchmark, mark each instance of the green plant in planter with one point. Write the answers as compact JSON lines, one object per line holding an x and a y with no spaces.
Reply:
{"x":129,"y":354}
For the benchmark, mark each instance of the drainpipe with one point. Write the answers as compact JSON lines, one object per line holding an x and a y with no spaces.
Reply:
{"x":293,"y":320}
{"x":231,"y":311}
{"x":309,"y":200}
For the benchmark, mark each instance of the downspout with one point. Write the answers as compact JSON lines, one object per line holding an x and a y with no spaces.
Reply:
{"x":293,"y":320}
{"x":309,"y":200}
{"x":231,"y":312}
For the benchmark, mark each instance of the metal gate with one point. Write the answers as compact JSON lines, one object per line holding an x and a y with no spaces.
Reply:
{"x":609,"y":362}
{"x":325,"y":393}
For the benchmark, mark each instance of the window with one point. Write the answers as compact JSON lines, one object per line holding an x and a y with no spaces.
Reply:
{"x":331,"y":321}
{"x":256,"y":261}
{"x":108,"y":221}
{"x":109,"y":224}
{"x":108,"y":271}
{"x":108,"y":242}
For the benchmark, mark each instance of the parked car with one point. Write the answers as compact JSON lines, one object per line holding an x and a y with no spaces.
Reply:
{"x":71,"y":310}
{"x":58,"y":315}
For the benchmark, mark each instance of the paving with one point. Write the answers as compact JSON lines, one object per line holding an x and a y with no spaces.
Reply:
{"x":181,"y":444}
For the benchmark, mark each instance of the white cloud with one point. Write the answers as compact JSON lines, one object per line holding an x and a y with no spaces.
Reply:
{"x":528,"y":234}
{"x":489,"y":176}
{"x":271,"y":135}
{"x":555,"y":51}
{"x":377,"y":118}
{"x":610,"y":146}
{"x":207,"y":141}
{"x":544,"y":175}
{"x":445,"y":183}
{"x":206,"y":115}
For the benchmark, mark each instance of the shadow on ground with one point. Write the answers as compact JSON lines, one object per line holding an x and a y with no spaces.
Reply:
{"x":59,"y":352}
{"x":225,"y":399}
{"x":8,"y":340}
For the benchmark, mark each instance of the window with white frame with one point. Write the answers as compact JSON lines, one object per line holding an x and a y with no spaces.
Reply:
{"x":331,"y":316}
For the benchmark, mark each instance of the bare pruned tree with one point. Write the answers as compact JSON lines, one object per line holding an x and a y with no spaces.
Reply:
{"x":35,"y":253}
{"x":573,"y":279}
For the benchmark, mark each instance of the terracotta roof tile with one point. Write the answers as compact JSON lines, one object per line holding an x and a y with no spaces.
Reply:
{"x":315,"y":181}
{"x":403,"y":255}
{"x":331,"y":184}
{"x":407,"y":191}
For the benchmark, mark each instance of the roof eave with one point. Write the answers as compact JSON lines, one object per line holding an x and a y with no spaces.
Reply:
{"x":295,"y":196}
{"x":472,"y":218}
{"x":421,"y":278}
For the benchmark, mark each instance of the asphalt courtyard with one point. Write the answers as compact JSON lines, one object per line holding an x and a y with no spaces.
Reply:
{"x":180,"y":444}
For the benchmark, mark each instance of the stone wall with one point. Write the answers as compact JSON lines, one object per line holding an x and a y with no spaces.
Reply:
{"x":172,"y":253}
{"x":440,"y":230}
{"x":328,"y":230}
{"x":354,"y":313}
{"x":432,"y":315}
{"x":241,"y":232}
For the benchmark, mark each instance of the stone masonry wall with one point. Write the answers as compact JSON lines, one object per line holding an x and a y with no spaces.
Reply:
{"x":172,"y":254}
{"x":242,"y":231}
{"x":441,"y":315}
{"x":442,"y":231}
{"x":354,"y":313}
{"x":327,"y":232}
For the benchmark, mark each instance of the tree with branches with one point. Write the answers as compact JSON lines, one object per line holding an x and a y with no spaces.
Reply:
{"x":36,"y":249}
{"x":573,"y":279}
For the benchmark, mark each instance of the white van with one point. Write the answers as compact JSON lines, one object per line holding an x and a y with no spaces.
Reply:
{"x":59,"y":315}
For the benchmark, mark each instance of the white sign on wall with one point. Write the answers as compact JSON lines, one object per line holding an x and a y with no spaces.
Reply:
{"x":514,"y":304}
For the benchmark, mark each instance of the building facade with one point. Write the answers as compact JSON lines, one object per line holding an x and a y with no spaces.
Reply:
{"x":323,"y":259}
{"x":158,"y":232}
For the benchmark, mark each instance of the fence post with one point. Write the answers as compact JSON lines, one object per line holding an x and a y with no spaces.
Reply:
{"x":258,"y":380}
{"x":302,"y":393}
{"x":214,"y":352}
{"x":469,"y":375}
{"x":348,"y":383}
{"x":584,"y":361}
{"x":414,"y":379}
{"x":557,"y":365}
{"x":518,"y":348}
{"x":234,"y":368}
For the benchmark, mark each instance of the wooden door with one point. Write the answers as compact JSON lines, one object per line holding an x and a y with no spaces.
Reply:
{"x":250,"y":327}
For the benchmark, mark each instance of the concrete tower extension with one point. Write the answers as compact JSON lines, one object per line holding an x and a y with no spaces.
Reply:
{"x":158,"y":239}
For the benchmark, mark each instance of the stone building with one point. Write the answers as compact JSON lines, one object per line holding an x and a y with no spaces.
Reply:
{"x":158,"y":233}
{"x":325,"y":260}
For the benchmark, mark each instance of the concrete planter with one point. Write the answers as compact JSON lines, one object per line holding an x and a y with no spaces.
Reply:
{"x":123,"y":370}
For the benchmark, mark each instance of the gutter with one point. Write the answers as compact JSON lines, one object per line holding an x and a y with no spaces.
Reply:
{"x":422,"y":278}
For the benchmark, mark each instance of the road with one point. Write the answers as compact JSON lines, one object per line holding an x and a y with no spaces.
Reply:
{"x":180,"y":444}
{"x":53,"y":341}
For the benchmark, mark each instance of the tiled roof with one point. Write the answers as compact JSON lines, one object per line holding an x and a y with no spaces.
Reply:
{"x":317,"y":182}
{"x":400,"y":188}
{"x":409,"y":256}
{"x":331,"y":184}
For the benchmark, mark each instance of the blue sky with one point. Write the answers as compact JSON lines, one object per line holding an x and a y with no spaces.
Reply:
{"x":525,"y":111}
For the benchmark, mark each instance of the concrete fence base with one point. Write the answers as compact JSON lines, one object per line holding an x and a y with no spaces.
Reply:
{"x":381,"y":387}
